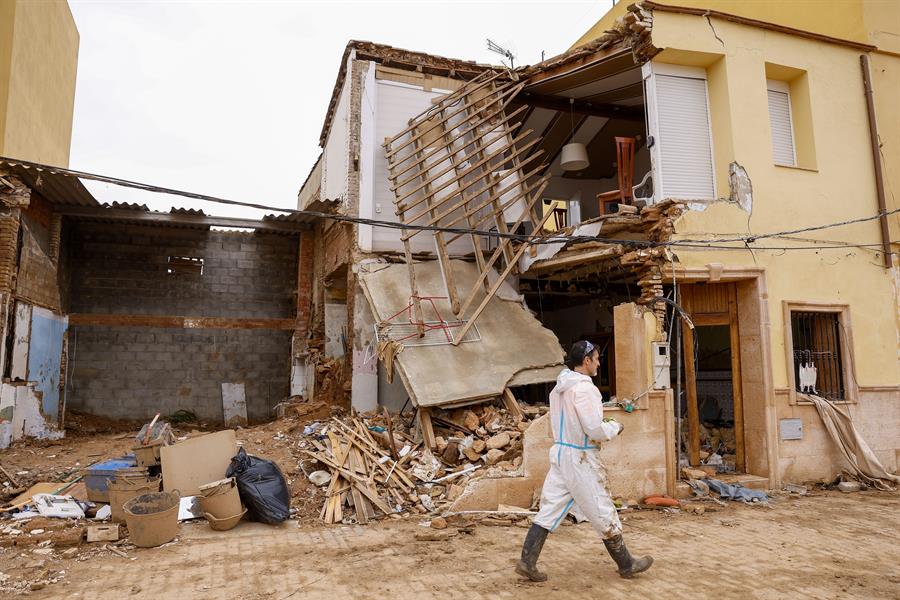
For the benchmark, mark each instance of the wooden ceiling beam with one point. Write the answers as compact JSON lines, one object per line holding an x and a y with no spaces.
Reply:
{"x":583,"y":107}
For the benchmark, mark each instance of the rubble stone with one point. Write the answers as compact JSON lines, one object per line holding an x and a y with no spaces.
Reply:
{"x":478,"y":446}
{"x":501,"y":440}
{"x":470,"y":420}
{"x":439,"y":523}
{"x":493,"y":456}
{"x":471,"y":454}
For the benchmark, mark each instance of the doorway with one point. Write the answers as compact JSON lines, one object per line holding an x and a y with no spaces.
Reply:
{"x":712,"y":405}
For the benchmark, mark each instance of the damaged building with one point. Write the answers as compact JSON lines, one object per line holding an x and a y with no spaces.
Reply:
{"x":629,"y":189}
{"x":123,"y":312}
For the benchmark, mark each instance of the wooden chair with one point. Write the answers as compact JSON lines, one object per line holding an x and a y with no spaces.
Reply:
{"x":560,"y":216}
{"x":625,"y":167}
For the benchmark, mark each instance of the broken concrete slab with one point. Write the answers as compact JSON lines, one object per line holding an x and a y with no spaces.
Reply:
{"x":513,"y":344}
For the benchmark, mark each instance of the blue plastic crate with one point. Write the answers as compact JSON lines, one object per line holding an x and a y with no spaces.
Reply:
{"x":97,"y":478}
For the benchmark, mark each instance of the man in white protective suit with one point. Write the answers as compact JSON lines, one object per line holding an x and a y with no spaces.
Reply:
{"x":577,"y":475}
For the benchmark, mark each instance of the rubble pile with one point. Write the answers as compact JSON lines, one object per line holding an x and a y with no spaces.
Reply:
{"x":717,"y":447}
{"x":373,"y":465}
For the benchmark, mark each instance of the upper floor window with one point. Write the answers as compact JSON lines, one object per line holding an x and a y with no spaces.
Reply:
{"x":782,"y":125}
{"x":679,"y":122}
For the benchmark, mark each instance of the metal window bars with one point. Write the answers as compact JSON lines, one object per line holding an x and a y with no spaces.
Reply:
{"x":818,"y":357}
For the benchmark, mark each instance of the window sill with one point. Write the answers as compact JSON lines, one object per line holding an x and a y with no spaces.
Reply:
{"x":800,"y":399}
{"x":796,"y":168}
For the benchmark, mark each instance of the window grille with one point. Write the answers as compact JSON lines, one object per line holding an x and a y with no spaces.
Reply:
{"x":818,"y":357}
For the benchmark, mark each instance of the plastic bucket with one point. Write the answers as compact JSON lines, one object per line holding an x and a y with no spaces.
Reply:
{"x":221,"y":499}
{"x":152,"y":519}
{"x":122,"y":490}
{"x":226,"y":523}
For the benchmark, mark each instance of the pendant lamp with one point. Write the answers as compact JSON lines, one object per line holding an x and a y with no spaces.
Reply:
{"x":574,"y":155}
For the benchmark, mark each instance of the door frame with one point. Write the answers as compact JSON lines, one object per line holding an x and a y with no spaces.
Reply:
{"x":728,"y":317}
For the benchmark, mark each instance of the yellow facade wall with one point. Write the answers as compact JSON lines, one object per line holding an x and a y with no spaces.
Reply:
{"x":843,"y":19}
{"x":842,"y":187}
{"x":38,"y":65}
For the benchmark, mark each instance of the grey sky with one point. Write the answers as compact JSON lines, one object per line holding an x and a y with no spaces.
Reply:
{"x":228,"y":98}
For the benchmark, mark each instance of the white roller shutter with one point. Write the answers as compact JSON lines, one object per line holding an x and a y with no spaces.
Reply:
{"x":683,"y":134}
{"x":782,"y":127}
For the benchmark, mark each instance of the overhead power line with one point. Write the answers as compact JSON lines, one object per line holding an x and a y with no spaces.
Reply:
{"x":712,"y":244}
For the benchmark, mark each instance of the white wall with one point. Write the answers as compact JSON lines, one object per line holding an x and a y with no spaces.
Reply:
{"x":369,"y":146}
{"x":337,"y":149}
{"x":396,"y":104}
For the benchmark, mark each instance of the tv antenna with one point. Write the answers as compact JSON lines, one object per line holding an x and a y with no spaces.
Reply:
{"x":505,"y":53}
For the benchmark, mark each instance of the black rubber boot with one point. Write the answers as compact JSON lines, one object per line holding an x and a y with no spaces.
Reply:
{"x":531,"y":550}
{"x":628,"y":566}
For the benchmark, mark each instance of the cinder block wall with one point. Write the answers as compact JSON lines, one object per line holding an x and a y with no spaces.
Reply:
{"x":134,"y":372}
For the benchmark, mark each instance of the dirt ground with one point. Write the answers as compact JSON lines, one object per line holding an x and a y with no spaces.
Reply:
{"x":823,"y":545}
{"x":826,"y":545}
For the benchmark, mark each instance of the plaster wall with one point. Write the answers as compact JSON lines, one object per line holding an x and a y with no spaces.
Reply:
{"x":847,"y":19}
{"x":38,"y":64}
{"x":336,"y":153}
{"x":842,"y":187}
{"x":636,"y":461}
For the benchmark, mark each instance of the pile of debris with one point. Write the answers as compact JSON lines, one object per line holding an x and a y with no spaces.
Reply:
{"x":375,"y":466}
{"x":718,"y":447}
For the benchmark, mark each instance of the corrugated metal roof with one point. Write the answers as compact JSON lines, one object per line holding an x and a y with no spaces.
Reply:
{"x":290,"y":218}
{"x":54,"y":187}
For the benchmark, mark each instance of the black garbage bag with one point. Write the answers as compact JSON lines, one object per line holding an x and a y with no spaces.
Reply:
{"x":262,"y":487}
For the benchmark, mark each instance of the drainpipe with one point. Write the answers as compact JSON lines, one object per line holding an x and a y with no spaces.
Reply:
{"x":876,"y":157}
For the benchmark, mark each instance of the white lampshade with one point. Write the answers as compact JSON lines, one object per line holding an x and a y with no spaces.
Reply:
{"x":574,"y":157}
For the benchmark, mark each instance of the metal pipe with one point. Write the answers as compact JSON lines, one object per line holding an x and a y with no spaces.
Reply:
{"x":876,"y":157}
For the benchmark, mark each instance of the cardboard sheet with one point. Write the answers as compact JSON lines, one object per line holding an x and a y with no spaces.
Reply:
{"x":514,"y":348}
{"x":189,"y":464}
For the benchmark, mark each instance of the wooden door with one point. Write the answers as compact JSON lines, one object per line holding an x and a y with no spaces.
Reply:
{"x":712,"y":304}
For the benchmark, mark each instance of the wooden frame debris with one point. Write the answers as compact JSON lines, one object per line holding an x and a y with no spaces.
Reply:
{"x":463,"y":160}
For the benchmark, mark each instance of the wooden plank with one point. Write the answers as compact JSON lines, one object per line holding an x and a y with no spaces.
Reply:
{"x":421,"y":158}
{"x":390,"y":428}
{"x":497,"y":284}
{"x":538,"y":184}
{"x":424,"y":416}
{"x":486,"y":158}
{"x":693,"y":412}
{"x":467,"y":197}
{"x":440,"y":244}
{"x":179,"y":322}
{"x":505,"y":242}
{"x":452,"y":98}
{"x":511,"y":404}
{"x":458,"y":136}
{"x":575,"y":259}
{"x":736,"y":382}
{"x":413,"y":287}
{"x":398,"y":473}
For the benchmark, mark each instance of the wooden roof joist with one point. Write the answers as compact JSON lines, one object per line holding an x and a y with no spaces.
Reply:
{"x":568,"y":260}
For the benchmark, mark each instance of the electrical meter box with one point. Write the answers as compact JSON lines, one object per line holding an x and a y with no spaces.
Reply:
{"x":661,"y":363}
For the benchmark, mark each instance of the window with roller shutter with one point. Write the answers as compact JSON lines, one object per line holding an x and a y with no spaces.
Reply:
{"x":781,"y":124}
{"x":683,"y":159}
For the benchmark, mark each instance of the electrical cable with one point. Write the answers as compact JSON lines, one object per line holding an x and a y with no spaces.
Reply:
{"x":686,"y":243}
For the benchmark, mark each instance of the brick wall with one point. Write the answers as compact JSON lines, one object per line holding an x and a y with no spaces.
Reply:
{"x":134,"y":372}
{"x":37,"y":279}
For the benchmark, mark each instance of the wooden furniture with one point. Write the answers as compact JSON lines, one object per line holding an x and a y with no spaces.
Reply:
{"x":625,"y":167}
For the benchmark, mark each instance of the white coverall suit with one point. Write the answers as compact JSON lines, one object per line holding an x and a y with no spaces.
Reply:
{"x":577,"y":475}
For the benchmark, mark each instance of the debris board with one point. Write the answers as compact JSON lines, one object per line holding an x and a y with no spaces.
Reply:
{"x":189,"y":464}
{"x":513,"y":342}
